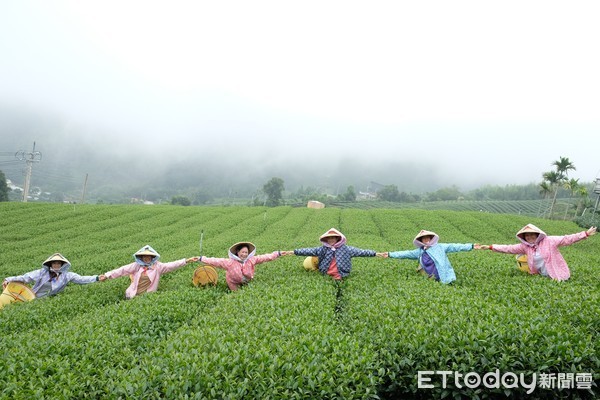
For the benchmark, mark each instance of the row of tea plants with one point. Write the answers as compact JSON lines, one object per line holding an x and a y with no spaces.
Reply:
{"x":289,"y":333}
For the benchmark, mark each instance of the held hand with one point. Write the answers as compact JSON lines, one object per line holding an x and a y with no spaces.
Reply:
{"x":477,"y":246}
{"x":591,"y":231}
{"x":482,"y":247}
{"x":382,"y":255}
{"x":193,"y":259}
{"x":287,"y":253}
{"x":102,"y":278}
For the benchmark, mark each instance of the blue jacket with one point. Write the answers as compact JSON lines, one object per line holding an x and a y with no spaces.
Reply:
{"x":437,"y":252}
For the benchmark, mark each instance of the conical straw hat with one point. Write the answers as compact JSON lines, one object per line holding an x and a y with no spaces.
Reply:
{"x":204,"y":275}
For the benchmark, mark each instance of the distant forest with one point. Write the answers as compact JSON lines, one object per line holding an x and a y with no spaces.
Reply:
{"x":222,"y":192}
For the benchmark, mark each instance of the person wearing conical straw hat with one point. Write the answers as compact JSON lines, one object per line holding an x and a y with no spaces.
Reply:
{"x":543,"y":256}
{"x":335,"y":256}
{"x":239,"y":267}
{"x":145,"y":271}
{"x":432,"y":255}
{"x":52,"y":278}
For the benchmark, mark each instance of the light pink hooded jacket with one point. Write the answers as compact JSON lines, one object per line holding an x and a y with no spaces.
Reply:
{"x":548,"y":248}
{"x":154,"y":270}
{"x":238,"y":272}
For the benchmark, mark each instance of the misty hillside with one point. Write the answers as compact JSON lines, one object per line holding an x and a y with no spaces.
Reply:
{"x":147,"y":169}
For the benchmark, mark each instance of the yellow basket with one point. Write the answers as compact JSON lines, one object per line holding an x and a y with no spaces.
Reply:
{"x":311,"y":263}
{"x":522,"y":262}
{"x":205,"y":275}
{"x":14,"y":292}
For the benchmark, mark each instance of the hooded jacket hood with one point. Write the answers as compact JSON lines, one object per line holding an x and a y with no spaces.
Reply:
{"x":417,"y":240}
{"x":530,"y":228}
{"x":333,"y":232}
{"x":57,"y":257}
{"x":233,"y":250}
{"x":147,"y":250}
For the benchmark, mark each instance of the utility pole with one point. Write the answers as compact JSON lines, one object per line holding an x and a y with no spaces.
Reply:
{"x":29,"y":158}
{"x":84,"y":187}
{"x":597,"y":191}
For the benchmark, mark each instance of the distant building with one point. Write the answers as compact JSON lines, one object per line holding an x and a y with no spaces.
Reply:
{"x":315,"y":204}
{"x":12,"y":186}
{"x":135,"y":200}
{"x":366,"y":196}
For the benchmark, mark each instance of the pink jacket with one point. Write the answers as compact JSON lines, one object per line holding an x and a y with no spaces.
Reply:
{"x":548,"y":248}
{"x":154,"y":272}
{"x":238,"y":272}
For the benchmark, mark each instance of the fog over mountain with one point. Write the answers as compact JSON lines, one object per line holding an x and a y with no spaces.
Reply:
{"x":224,"y":96}
{"x":71,"y":151}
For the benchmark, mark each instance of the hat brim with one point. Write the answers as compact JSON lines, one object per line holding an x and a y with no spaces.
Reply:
{"x":331,"y":235}
{"x":522,"y":233}
{"x":528,"y":231}
{"x":55,"y":257}
{"x":146,"y":253}
{"x":235,"y":248}
{"x":426,"y":235}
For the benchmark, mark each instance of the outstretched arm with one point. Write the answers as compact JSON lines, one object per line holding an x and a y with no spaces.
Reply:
{"x":266,"y":257}
{"x":309,"y":251}
{"x":405,"y":254}
{"x":456,"y":247}
{"x":29,"y":278}
{"x":215,"y":262}
{"x":507,"y":248}
{"x":82,"y":279}
{"x":356,"y":252}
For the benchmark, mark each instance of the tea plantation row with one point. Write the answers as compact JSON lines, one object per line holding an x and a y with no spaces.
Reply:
{"x":289,"y":333}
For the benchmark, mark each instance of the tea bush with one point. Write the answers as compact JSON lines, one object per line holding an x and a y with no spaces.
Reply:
{"x":289,"y":333}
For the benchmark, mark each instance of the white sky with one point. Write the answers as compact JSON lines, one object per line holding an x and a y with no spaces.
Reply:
{"x":485,"y":91}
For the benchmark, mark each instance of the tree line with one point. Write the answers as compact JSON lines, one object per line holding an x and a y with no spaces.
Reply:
{"x":555,"y":184}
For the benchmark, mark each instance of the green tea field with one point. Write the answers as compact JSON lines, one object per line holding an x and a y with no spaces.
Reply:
{"x":386,"y":332}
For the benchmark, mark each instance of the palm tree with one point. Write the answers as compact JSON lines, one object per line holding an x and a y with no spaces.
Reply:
{"x":582,"y":192}
{"x":572,"y":185}
{"x":545,"y":189}
{"x":563,"y":166}
{"x":558,"y":178}
{"x":553,"y":178}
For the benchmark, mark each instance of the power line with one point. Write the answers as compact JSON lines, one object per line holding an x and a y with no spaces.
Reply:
{"x":11,"y":162}
{"x":53,"y":175}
